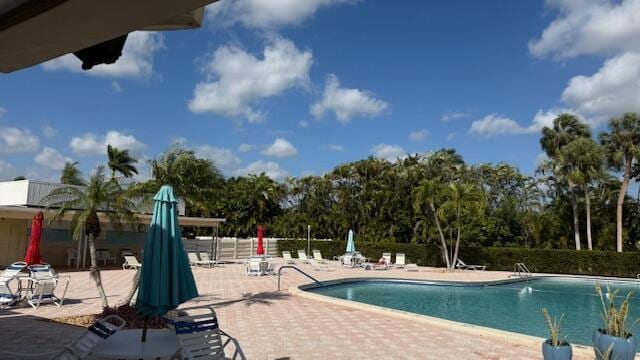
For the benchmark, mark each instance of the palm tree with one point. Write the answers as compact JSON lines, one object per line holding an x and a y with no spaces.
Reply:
{"x":461,"y":201}
{"x":193,"y":179}
{"x":71,"y":175}
{"x":83,"y":204}
{"x":120,"y":161}
{"x":581,"y":160}
{"x":622,"y":146}
{"x":428,"y":193}
{"x":566,"y":128}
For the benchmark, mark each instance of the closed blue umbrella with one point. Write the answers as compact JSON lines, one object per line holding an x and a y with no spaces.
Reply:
{"x":351,"y":246}
{"x":166,"y":280}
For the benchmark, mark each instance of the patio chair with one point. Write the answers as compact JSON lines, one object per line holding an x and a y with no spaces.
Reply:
{"x":105,"y":256}
{"x":42,"y":271}
{"x":387,"y":258}
{"x":82,"y":346}
{"x":199,"y":335}
{"x":194,"y":260}
{"x":270,"y":268}
{"x":462,"y":266}
{"x":204,"y":257}
{"x":400,"y":261}
{"x":382,"y":264}
{"x":347,"y":260}
{"x":286,"y":258}
{"x":72,"y":254}
{"x":254,"y":266}
{"x":317,"y":256}
{"x":131,"y":262}
{"x":7,"y":295}
{"x":411,"y":267}
{"x":42,"y":290}
{"x":303,"y":257}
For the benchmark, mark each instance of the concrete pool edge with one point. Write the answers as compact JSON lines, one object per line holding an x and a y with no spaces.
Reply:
{"x":469,"y":329}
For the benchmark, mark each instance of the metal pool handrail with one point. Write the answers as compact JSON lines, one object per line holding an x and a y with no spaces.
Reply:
{"x":298,"y":270}
{"x":521,"y":270}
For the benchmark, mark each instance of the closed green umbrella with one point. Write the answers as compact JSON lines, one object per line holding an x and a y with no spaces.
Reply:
{"x":166,"y":280}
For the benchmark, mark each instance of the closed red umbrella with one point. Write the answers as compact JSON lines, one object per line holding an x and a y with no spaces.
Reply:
{"x":33,"y":252}
{"x":260,"y":249}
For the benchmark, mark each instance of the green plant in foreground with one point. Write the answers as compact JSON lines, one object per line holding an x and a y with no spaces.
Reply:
{"x":554,"y":328}
{"x":615,"y":317}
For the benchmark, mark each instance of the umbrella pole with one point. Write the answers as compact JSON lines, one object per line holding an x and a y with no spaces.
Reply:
{"x":144,"y":330}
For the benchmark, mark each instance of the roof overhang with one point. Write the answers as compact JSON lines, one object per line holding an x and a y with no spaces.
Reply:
{"x":27,"y":213}
{"x":34,"y":31}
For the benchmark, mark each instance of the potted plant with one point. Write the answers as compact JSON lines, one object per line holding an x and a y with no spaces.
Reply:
{"x":614,"y":340}
{"x":555,"y":348}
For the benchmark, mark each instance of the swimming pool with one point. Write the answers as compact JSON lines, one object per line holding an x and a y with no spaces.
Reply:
{"x":512,"y":305}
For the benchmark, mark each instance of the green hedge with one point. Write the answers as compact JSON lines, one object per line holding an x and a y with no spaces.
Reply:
{"x":604,"y":263}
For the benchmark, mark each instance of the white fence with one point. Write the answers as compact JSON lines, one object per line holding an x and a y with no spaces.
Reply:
{"x":233,"y":249}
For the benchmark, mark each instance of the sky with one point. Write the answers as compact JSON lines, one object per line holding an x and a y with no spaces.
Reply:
{"x":293,"y":88}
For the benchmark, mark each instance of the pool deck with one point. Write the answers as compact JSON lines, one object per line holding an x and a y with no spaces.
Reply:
{"x":284,"y":325}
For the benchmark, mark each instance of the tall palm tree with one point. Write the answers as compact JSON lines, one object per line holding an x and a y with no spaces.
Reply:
{"x":71,"y":175}
{"x":83,"y":204}
{"x":428,"y":193}
{"x":461,"y":202}
{"x":622,"y":145}
{"x":581,"y":161}
{"x":121,"y":162}
{"x":566,"y":128}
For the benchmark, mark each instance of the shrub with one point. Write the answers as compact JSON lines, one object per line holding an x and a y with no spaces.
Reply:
{"x":605,"y":263}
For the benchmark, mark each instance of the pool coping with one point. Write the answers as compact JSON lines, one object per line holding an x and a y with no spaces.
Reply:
{"x":470,"y":329}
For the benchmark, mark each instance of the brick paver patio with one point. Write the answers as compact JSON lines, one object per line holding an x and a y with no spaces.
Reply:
{"x":275,"y":325}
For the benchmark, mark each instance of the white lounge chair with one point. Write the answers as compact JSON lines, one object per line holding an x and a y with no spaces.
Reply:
{"x":43,"y":284}
{"x":254,"y":266}
{"x":199,"y":334}
{"x":82,"y":346}
{"x":204,"y":257}
{"x":286,"y":258}
{"x":387,"y":258}
{"x":317,"y":265}
{"x":400,"y":261}
{"x":270,"y":268}
{"x":347,"y":260}
{"x":462,"y":266}
{"x":317,"y":256}
{"x":194,"y":260}
{"x":411,"y":267}
{"x":105,"y":256}
{"x":7,"y":295}
{"x":303,"y":257}
{"x":131,"y":262}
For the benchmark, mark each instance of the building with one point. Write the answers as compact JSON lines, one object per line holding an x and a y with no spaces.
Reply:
{"x":21,"y":200}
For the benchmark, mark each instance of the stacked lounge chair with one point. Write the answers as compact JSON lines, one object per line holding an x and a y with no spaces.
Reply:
{"x":7,"y":295}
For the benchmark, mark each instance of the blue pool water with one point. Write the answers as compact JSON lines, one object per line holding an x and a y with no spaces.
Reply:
{"x":506,"y":306}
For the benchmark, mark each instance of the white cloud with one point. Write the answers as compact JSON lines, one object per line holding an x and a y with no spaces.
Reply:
{"x":49,"y":131}
{"x":613,"y":89}
{"x":246,"y":147}
{"x":451,"y":136}
{"x":51,"y":159}
{"x":2,"y":111}
{"x":335,"y":147}
{"x":418,"y":135}
{"x":116,"y":86}
{"x":223,"y":158}
{"x":388,"y":152}
{"x":590,"y":27}
{"x":7,"y":171}
{"x":346,"y":103}
{"x":14,"y":140}
{"x":280,"y":148}
{"x":136,"y":60}
{"x":270,"y":168}
{"x":236,"y":79}
{"x":453,"y":115}
{"x":495,"y":125}
{"x":90,"y":144}
{"x":304,"y":124}
{"x":266,"y":14}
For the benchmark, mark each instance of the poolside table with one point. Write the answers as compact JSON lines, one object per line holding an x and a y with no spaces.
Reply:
{"x":126,"y":344}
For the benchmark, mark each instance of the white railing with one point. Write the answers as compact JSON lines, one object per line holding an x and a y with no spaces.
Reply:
{"x":521,"y":270}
